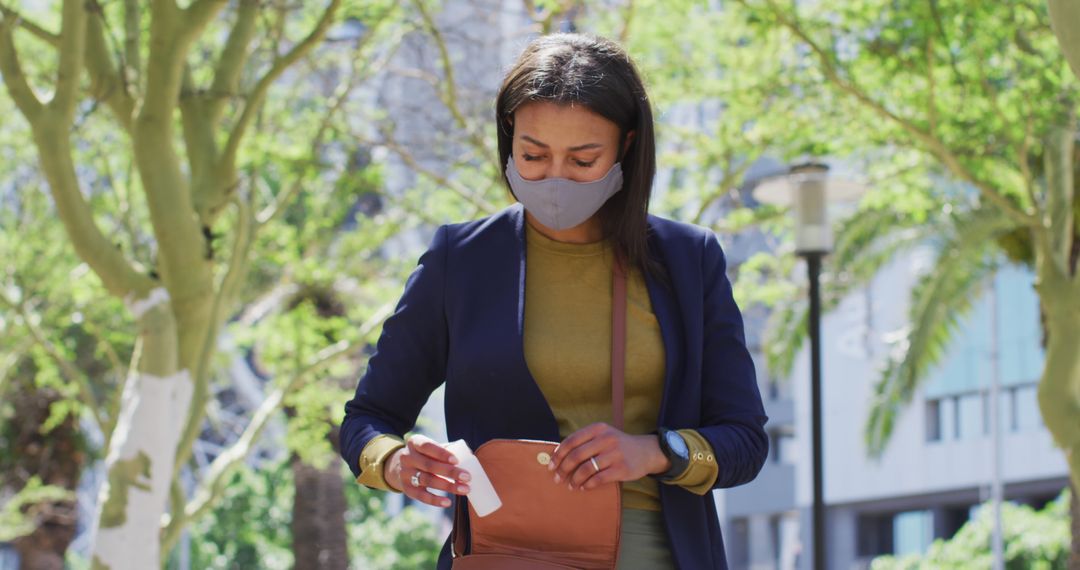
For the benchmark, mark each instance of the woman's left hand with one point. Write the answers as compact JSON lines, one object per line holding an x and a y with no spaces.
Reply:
{"x":599,"y":454}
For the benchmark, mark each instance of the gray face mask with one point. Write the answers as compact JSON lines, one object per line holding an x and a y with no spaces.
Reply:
{"x":560,"y":203}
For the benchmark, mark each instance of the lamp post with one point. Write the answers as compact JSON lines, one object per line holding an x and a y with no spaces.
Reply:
{"x":808,"y":189}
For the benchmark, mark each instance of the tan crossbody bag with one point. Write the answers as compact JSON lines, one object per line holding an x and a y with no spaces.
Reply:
{"x":543,"y":525}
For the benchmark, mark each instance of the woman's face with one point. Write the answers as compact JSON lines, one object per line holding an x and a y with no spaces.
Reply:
{"x":563,"y":141}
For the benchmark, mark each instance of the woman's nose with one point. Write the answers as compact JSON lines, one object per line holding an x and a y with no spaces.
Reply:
{"x":555,"y":170}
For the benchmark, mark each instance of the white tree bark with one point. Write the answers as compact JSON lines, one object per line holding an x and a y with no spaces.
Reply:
{"x":142,"y":450}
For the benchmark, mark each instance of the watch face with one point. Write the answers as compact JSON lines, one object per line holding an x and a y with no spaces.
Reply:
{"x":677,"y":444}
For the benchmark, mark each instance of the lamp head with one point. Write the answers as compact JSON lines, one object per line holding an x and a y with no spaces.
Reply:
{"x":808,"y":189}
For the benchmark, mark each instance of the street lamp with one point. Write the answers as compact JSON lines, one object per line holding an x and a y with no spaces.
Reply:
{"x":809,"y":189}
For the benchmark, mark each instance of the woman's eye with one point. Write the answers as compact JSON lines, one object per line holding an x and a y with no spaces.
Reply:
{"x":584,"y":164}
{"x":530,"y":157}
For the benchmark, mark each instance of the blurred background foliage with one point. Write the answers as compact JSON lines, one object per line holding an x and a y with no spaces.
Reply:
{"x":1034,"y":540}
{"x":250,"y":528}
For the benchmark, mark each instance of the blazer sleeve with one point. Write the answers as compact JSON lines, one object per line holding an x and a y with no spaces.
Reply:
{"x":409,"y":361}
{"x":733,"y":416}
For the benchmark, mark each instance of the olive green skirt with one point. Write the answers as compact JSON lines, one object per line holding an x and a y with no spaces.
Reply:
{"x":644,"y":542}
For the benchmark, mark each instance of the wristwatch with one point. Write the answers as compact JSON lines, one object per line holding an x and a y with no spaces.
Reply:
{"x":675,"y":449}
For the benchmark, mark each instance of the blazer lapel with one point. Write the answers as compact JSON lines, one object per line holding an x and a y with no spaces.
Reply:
{"x":550,"y":431}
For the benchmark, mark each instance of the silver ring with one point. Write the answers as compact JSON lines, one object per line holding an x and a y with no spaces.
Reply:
{"x":594,"y":463}
{"x":415,"y":479}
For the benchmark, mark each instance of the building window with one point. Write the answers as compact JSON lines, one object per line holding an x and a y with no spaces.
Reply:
{"x":1013,"y":426}
{"x":969,"y":419}
{"x":783,"y":447}
{"x":740,"y":551}
{"x":1027,"y":408}
{"x":775,"y":538}
{"x":967,"y":416}
{"x":954,"y":519}
{"x":947,"y":411}
{"x":875,"y":535}
{"x":913,"y":532}
{"x":933,"y":420}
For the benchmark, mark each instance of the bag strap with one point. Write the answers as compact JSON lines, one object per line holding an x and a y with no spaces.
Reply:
{"x":618,"y":341}
{"x":459,"y":533}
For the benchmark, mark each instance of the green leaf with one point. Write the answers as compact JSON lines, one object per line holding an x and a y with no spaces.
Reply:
{"x":17,"y":515}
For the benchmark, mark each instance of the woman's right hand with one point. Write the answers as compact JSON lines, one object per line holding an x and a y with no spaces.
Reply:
{"x":424,"y":461}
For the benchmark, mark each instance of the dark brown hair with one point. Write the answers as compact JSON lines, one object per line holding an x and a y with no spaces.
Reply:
{"x":598,"y":74}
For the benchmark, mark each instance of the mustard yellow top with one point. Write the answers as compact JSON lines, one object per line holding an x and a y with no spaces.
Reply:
{"x":568,"y":352}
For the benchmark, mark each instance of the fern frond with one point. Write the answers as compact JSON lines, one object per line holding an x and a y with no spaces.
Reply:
{"x":866,"y":242}
{"x":939,"y":301}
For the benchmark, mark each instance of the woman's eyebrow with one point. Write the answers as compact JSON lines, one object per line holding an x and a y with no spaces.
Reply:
{"x":587,"y":146}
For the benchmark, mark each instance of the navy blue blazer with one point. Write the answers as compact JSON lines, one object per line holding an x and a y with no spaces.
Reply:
{"x":460,"y":321}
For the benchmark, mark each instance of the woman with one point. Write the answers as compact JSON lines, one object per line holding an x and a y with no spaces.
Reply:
{"x":527,"y":354}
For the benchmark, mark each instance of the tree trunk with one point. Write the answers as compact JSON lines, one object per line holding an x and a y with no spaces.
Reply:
{"x":143,"y":447}
{"x":318,"y":524}
{"x":1064,"y":20}
{"x":1059,"y":392}
{"x":57,"y":458}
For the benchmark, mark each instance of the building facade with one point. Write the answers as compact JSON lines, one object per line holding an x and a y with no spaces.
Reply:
{"x":937,"y":466}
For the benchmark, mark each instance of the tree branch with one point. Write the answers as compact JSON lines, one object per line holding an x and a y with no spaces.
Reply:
{"x":28,"y":25}
{"x":14,"y":78}
{"x":106,"y":83}
{"x":987,"y":85}
{"x":338,"y":100}
{"x":224,"y":173}
{"x":1025,"y":168}
{"x":220,"y":308}
{"x":8,"y":363}
{"x":628,"y":18}
{"x":935,"y":13}
{"x":51,"y":133}
{"x":233,"y":57}
{"x":117,"y":400}
{"x":931,"y":87}
{"x":449,"y":94}
{"x":727,"y":183}
{"x":52,"y":137}
{"x":1065,"y":21}
{"x":1060,"y":144}
{"x":200,"y":366}
{"x":116,"y":274}
{"x":202,"y":148}
{"x":72,"y":49}
{"x":473,"y":198}
{"x":132,"y":34}
{"x":932,"y":144}
{"x":227,"y":163}
{"x":230,"y":283}
{"x":183,"y":266}
{"x":164,"y":64}
{"x":197,"y":16}
{"x":213,"y":484}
